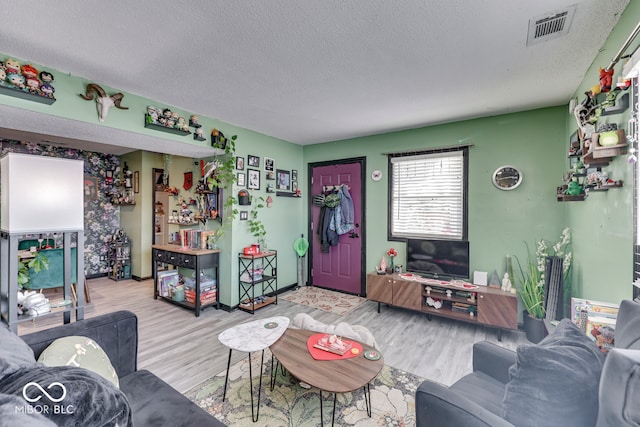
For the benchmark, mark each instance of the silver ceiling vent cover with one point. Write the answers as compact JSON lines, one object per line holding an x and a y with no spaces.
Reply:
{"x":550,"y":26}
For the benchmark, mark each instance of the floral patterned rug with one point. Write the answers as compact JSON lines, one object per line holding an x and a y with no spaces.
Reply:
{"x":289,"y":405}
{"x":324,"y":299}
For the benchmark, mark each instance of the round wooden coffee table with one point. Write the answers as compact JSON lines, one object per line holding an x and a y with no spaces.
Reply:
{"x":334,"y":376}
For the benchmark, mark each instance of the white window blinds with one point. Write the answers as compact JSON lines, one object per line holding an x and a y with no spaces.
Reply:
{"x":428,"y":195}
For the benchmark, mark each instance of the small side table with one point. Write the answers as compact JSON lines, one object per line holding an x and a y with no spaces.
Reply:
{"x":251,"y":337}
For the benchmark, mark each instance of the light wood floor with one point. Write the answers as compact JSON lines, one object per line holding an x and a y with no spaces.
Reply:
{"x":184,"y":350}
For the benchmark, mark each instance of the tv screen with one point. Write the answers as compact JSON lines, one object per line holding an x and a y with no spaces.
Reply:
{"x":438,"y":258}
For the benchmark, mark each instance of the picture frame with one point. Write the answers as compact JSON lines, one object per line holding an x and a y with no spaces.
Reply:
{"x":244,"y":215}
{"x":269,"y":164}
{"x":294,"y":186}
{"x":294,"y":175}
{"x":253,"y":161}
{"x":90,"y":188}
{"x":253,"y":179}
{"x":240,"y":163}
{"x":283,"y":179}
{"x":158,"y":179}
{"x":108,"y":174}
{"x":241,"y":179}
{"x":136,"y":182}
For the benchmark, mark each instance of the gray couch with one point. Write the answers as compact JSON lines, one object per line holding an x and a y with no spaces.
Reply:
{"x":148,"y":400}
{"x":565,"y":380}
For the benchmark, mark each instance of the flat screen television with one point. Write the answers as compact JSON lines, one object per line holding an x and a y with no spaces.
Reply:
{"x":447,"y":259}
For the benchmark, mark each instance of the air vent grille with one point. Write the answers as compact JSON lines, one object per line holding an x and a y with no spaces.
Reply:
{"x":551,"y":25}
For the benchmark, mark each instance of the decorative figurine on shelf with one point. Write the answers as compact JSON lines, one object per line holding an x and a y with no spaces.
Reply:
{"x":29,"y":71}
{"x":3,"y":75}
{"x":166,"y":115}
{"x":198,"y":135}
{"x":33,"y":85}
{"x":152,"y":115}
{"x":12,"y":66}
{"x":47,"y":90}
{"x":193,"y":122}
{"x":506,"y":283}
{"x":574,"y":189}
{"x":16,"y":80}
{"x":182,"y":124}
{"x":606,"y":78}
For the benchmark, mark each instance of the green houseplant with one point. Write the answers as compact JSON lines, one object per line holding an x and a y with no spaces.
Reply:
{"x":531,"y":281}
{"x":38,"y":263}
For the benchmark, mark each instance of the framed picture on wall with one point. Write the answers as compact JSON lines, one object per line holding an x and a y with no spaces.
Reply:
{"x":244,"y":215}
{"x":253,"y":161}
{"x":136,"y":182}
{"x":269,"y":163}
{"x":240,"y":163}
{"x":294,"y":175}
{"x":254,"y":179}
{"x":241,"y":181}
{"x":283,"y":179}
{"x":90,"y":187}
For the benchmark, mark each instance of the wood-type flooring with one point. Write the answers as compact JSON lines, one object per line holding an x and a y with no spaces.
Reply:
{"x":184,"y":350}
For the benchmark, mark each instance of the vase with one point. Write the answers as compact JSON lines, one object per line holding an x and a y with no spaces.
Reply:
{"x":534,"y":328}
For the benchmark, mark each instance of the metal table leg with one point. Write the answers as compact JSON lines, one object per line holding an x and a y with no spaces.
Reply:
{"x":333,"y":416}
{"x":257,"y":411}
{"x":367,"y":398}
{"x":226,"y":378}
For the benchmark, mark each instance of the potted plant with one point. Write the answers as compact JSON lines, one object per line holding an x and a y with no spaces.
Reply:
{"x":256,"y":227}
{"x":38,"y":263}
{"x":530,"y":288}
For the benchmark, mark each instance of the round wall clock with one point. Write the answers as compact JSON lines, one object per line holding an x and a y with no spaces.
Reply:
{"x":507,"y":178}
{"x":376,"y":175}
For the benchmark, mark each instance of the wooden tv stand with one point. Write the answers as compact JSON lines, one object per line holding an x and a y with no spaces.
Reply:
{"x":484,"y":305}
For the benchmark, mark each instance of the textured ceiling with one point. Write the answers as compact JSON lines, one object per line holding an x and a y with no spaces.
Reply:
{"x":315,"y":71}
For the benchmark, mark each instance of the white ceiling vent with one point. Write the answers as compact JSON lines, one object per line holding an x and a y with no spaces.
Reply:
{"x":550,"y":26}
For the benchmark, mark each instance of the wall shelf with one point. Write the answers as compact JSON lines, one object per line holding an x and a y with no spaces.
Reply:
{"x":166,"y":129}
{"x":18,"y":93}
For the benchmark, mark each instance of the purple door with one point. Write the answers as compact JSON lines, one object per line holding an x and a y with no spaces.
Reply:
{"x":340,"y":268}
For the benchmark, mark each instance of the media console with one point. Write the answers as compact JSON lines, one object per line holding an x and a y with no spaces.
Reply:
{"x":455,"y":300}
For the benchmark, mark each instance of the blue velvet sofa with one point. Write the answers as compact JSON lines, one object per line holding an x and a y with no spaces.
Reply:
{"x":565,"y":380}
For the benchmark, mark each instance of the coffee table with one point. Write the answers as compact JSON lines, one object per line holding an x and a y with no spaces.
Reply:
{"x":333,"y":376}
{"x":250,"y":337}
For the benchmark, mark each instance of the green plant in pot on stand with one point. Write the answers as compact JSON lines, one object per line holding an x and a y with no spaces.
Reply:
{"x":256,"y":227}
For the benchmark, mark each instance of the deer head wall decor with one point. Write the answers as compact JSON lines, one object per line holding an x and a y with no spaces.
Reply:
{"x":103,"y":101}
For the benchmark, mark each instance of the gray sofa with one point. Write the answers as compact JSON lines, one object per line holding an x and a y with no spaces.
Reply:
{"x":565,"y":380}
{"x":148,"y":401}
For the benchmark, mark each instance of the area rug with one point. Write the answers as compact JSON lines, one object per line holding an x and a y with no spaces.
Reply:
{"x":324,"y":299}
{"x":289,"y":405}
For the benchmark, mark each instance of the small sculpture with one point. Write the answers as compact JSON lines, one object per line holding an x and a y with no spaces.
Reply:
{"x":103,"y":101}
{"x":193,"y":122}
{"x":506,"y":283}
{"x":152,"y":114}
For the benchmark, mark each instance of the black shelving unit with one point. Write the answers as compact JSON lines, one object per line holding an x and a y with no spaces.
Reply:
{"x":257,"y":270}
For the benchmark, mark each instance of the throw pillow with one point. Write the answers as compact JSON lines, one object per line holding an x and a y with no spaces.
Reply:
{"x":69,"y":396}
{"x":81,"y":352}
{"x":14,"y":353}
{"x":555,"y":383}
{"x":628,"y":325}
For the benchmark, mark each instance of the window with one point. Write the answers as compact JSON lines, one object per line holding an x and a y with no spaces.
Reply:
{"x":428,"y":194}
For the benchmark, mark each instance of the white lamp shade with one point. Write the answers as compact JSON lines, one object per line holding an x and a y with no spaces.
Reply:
{"x":41,"y":194}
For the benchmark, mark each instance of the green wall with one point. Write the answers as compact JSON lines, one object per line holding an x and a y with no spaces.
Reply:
{"x":499,"y":221}
{"x":602,"y":225}
{"x":284,"y":221}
